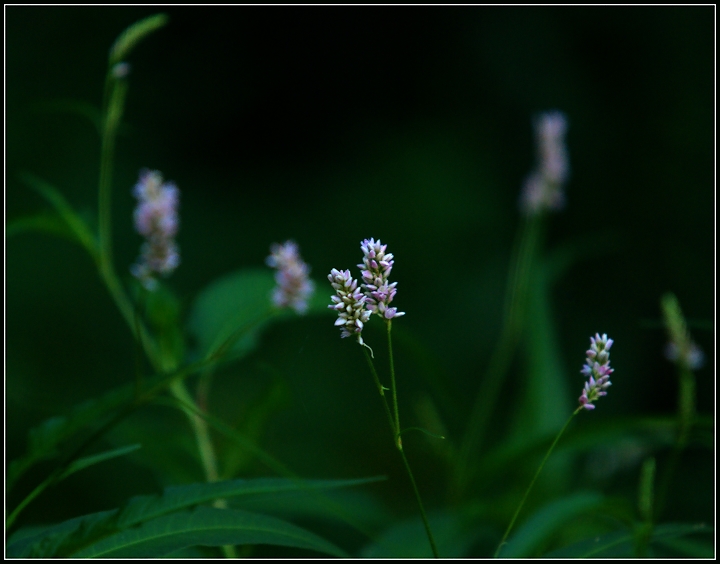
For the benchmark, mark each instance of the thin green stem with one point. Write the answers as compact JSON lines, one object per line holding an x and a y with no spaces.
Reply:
{"x":393,"y":385}
{"x":532,"y":483}
{"x":117,"y":89}
{"x":381,"y":390}
{"x":433,"y":546}
{"x":395,"y":428}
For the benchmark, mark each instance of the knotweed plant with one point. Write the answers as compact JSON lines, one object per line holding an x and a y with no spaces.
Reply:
{"x":597,"y":371}
{"x":355,"y":305}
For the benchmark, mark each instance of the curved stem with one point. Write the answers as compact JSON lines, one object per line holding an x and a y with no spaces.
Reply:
{"x":532,"y":483}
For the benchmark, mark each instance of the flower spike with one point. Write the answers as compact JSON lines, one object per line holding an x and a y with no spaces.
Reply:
{"x":597,"y":370}
{"x":156,"y":219}
{"x":294,"y":286}
{"x":375,"y":270}
{"x":543,"y":189}
{"x":349,"y":302}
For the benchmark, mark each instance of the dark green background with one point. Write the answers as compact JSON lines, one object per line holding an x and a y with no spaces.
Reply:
{"x":330,"y":125}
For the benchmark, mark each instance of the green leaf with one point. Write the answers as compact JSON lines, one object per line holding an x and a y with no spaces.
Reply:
{"x":86,"y":461}
{"x":228,"y":316}
{"x":621,"y":544}
{"x":43,"y":222}
{"x":50,"y":541}
{"x":204,"y":526}
{"x":127,"y":40}
{"x":44,"y":440}
{"x":69,"y":106}
{"x":546,"y":521}
{"x":143,"y":508}
{"x":234,"y":307}
{"x":75,"y":223}
{"x":81,"y":533}
{"x":454,"y":538}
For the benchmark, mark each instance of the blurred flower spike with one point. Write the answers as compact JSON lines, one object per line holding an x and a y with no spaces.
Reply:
{"x":680,"y":348}
{"x":375,"y":270}
{"x":156,"y":219}
{"x":597,"y":370}
{"x":349,"y":302}
{"x":543,"y":188}
{"x":294,"y":287}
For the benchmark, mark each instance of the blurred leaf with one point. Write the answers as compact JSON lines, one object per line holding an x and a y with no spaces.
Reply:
{"x":81,"y":533}
{"x":621,"y":544}
{"x":648,"y":433}
{"x":454,"y":537}
{"x":86,"y":461}
{"x":546,"y":521}
{"x":142,"y":508}
{"x":127,"y":40}
{"x":44,"y":440}
{"x":44,"y":222}
{"x":169,"y":451}
{"x":685,"y":547}
{"x":251,"y":423}
{"x":74,"y":222}
{"x":358,"y":508}
{"x":77,"y":107}
{"x":205,"y":526}
{"x":234,"y":306}
{"x":51,"y":540}
{"x":230,"y":314}
{"x":163,"y":311}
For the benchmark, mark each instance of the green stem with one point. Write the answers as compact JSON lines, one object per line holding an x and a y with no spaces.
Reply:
{"x":381,"y":390}
{"x":394,"y":386}
{"x":532,"y":483}
{"x":433,"y":546}
{"x":395,"y":428}
{"x":117,"y":89}
{"x":200,"y":428}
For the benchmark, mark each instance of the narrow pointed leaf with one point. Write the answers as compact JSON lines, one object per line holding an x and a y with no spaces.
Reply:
{"x":86,"y":461}
{"x":42,"y":222}
{"x":620,"y":544}
{"x":74,"y":222}
{"x":143,"y":508}
{"x":204,"y":526}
